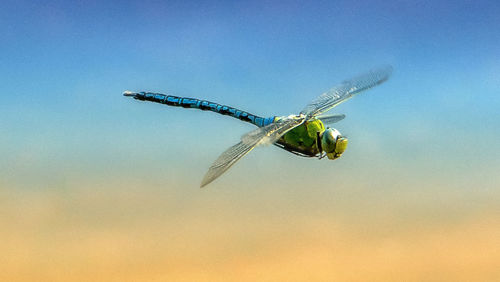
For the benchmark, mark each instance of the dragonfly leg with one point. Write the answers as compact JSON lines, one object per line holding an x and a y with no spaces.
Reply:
{"x":320,"y":147}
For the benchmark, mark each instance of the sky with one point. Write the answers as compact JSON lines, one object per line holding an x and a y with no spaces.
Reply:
{"x":97,"y":186}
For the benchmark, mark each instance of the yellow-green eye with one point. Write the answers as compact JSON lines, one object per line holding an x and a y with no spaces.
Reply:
{"x":341,"y":145}
{"x":333,"y":143}
{"x":328,"y":140}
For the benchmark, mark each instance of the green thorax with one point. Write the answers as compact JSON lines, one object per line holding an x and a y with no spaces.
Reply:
{"x":303,"y":138}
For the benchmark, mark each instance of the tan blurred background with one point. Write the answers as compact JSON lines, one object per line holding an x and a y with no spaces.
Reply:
{"x":386,"y":224}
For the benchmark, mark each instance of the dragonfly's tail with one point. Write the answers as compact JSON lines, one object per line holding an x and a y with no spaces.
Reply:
{"x":129,"y":93}
{"x":200,"y":104}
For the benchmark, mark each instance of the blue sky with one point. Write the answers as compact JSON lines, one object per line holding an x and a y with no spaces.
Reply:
{"x":66,"y":63}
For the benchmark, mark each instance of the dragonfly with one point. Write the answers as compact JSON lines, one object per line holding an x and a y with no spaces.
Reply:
{"x":303,"y":134}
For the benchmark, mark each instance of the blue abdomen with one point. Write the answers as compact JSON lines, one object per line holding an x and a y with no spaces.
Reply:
{"x":202,"y":105}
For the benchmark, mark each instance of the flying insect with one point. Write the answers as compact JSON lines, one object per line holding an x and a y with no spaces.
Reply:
{"x":303,"y":134}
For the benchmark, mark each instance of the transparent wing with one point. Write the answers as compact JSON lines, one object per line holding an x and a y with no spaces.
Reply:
{"x":329,"y":119}
{"x":346,"y":90}
{"x":263,"y":135}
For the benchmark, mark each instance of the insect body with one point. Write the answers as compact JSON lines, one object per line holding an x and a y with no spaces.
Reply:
{"x":311,"y":139}
{"x":303,"y":134}
{"x":303,"y":139}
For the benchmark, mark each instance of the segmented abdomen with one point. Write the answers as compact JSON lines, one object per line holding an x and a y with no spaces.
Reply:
{"x":202,"y":105}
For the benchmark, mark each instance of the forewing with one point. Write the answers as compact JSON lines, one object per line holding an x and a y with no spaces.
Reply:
{"x":346,"y":90}
{"x":263,"y":135}
{"x":329,"y":119}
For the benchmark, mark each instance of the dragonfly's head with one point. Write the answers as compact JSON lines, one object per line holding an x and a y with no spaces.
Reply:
{"x":333,"y":143}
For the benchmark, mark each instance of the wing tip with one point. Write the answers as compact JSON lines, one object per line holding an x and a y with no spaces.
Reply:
{"x":203,"y":183}
{"x":207,"y":179}
{"x":386,"y":70}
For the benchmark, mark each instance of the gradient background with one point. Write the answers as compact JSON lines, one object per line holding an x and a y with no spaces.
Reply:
{"x":94,"y":186}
